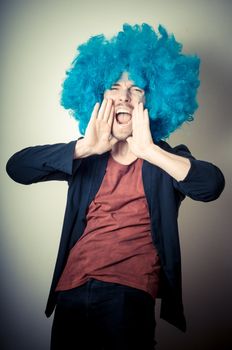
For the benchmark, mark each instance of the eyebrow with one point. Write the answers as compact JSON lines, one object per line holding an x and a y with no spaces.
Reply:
{"x":116,"y":84}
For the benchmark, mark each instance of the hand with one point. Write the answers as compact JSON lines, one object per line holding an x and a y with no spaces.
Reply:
{"x":98,"y":138}
{"x":141,"y":140}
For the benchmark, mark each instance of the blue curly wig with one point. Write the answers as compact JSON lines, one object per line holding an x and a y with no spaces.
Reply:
{"x":153,"y":61}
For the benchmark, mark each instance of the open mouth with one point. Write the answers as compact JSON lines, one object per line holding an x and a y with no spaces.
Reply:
{"x":123,"y":117}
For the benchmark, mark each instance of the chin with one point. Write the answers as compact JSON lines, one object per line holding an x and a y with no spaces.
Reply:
{"x":121,"y":133}
{"x":121,"y":136}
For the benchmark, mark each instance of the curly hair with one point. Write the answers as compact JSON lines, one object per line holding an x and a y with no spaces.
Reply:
{"x":153,"y":61}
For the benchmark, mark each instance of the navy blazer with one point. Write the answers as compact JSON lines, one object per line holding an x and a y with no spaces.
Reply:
{"x":204,"y":182}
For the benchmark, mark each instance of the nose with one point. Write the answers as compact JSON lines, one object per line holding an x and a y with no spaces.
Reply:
{"x":124,"y":96}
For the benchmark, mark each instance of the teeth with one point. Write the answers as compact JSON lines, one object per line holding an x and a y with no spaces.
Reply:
{"x":122,"y":111}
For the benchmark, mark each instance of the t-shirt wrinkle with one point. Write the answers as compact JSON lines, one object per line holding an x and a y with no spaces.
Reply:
{"x":116,"y":245}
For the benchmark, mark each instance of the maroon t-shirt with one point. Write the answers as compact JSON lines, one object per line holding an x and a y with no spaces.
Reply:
{"x":116,"y":245}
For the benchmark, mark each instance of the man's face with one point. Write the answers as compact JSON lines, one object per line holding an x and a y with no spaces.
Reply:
{"x":125,"y":96}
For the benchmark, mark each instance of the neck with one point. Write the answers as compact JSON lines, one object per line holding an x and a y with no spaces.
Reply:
{"x":122,"y":153}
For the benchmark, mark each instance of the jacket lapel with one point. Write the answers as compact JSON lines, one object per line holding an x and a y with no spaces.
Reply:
{"x":151,"y":176}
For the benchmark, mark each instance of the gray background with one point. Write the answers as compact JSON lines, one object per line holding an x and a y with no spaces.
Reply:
{"x":38,"y":42}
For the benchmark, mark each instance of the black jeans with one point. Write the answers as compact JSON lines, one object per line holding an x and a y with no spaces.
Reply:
{"x":103,"y":316}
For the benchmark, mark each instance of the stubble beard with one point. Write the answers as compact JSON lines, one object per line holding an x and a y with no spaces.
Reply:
{"x":121,"y":136}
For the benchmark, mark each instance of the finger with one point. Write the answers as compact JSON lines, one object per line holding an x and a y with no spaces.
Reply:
{"x":94,"y":112}
{"x":140,"y":110}
{"x":129,"y":140}
{"x":107,"y":110}
{"x":135,"y":112}
{"x":111,"y":116}
{"x":102,"y":109}
{"x":95,"y":109}
{"x":145,"y":113}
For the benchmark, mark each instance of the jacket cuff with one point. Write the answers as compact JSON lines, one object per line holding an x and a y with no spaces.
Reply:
{"x":204,"y":181}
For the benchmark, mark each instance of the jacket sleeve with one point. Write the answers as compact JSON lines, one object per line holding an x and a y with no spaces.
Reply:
{"x":43,"y":163}
{"x":204,"y":181}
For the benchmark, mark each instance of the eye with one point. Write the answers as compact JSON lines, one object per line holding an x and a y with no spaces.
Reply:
{"x":138,"y":90}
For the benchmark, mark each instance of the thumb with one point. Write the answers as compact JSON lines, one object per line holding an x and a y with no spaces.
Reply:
{"x":113,"y":141}
{"x":129,"y":140}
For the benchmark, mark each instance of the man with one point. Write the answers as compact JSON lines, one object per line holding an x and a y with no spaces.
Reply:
{"x":119,"y":247}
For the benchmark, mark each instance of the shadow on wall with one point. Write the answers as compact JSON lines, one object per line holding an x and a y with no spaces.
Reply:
{"x":216,"y":87}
